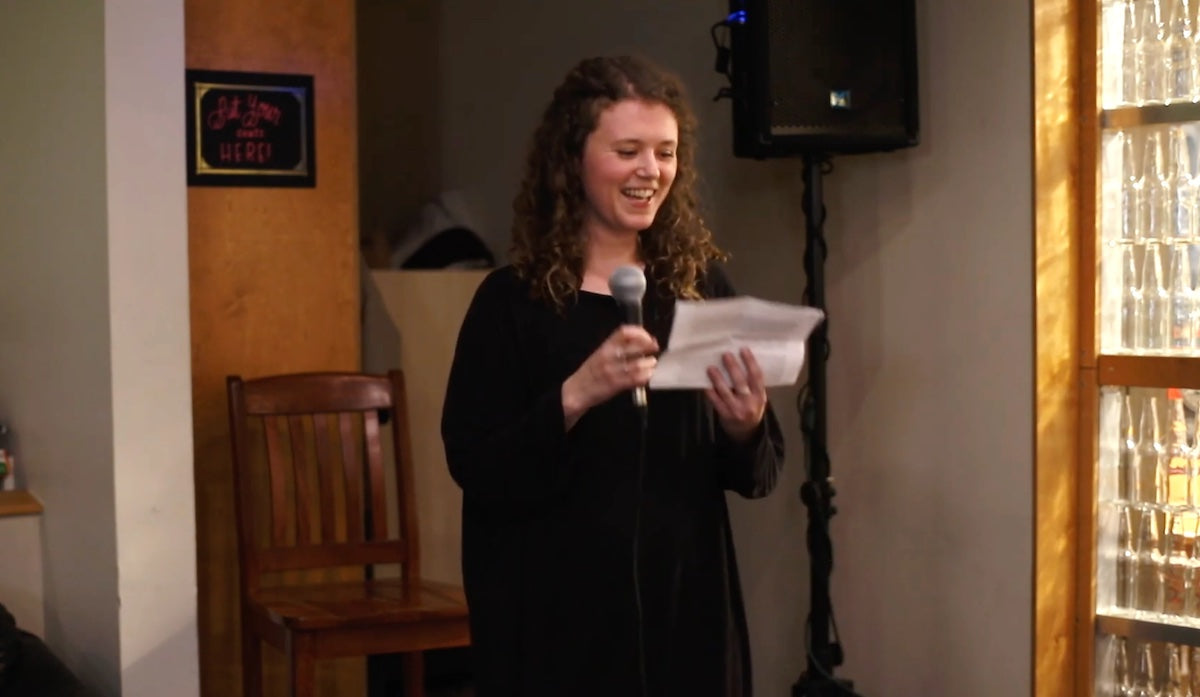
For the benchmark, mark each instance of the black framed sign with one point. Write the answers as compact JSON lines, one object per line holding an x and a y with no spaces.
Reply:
{"x":250,"y":129}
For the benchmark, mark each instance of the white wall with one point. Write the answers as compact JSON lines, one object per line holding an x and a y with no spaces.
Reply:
{"x":151,"y":348}
{"x":929,"y":291}
{"x":94,"y":351}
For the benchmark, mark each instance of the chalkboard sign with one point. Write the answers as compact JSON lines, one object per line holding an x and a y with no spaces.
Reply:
{"x":250,"y":129}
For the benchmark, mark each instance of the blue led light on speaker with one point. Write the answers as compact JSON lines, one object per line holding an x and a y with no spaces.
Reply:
{"x":738,"y":17}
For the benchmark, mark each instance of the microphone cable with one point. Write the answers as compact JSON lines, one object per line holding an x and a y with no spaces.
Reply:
{"x":642,"y":413}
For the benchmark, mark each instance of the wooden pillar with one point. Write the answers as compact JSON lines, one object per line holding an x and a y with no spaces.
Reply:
{"x":274,"y":279}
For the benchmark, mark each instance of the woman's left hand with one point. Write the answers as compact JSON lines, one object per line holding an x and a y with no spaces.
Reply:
{"x":740,"y":401}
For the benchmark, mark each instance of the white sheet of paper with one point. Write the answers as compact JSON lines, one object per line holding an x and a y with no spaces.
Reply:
{"x":705,"y":329}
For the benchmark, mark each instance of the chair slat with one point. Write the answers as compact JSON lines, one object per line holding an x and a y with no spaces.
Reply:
{"x":324,"y":555}
{"x":375,"y":476}
{"x":276,"y":461}
{"x":296,"y":426}
{"x":353,"y":479}
{"x":327,"y":474}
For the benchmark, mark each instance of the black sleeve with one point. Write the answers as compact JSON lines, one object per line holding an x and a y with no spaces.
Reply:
{"x":750,"y":468}
{"x":504,"y":442}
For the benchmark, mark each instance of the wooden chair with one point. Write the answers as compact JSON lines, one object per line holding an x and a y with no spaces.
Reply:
{"x":311,"y":491}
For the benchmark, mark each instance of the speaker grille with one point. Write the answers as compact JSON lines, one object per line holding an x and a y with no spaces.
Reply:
{"x":824,"y":75}
{"x":858,"y":65}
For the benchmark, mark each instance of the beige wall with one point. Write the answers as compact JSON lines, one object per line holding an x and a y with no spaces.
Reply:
{"x":929,"y":291}
{"x":932,"y":373}
{"x":93,"y":296}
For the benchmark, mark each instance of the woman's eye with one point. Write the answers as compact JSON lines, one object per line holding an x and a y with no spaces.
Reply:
{"x":667,"y":154}
{"x":627,"y":153}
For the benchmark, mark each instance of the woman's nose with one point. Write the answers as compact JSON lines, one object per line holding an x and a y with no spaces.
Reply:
{"x":648,"y":167}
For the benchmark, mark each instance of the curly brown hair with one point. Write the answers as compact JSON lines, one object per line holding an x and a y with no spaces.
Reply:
{"x":547,"y":246}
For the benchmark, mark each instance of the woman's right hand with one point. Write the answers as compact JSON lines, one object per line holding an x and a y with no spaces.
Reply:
{"x":625,"y":360}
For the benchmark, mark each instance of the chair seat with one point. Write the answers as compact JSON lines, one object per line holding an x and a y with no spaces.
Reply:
{"x":359,"y":604}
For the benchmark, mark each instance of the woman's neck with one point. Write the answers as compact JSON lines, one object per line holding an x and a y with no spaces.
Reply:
{"x":603,"y":254}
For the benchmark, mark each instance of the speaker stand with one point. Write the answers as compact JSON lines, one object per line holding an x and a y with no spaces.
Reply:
{"x":817,"y":492}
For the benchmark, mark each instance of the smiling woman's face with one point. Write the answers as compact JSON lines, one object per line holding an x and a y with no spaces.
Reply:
{"x":628,"y":166}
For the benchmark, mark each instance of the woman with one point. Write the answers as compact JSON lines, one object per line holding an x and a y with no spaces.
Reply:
{"x":597,"y":560}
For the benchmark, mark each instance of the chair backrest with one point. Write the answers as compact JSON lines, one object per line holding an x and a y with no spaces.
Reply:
{"x":309,"y":474}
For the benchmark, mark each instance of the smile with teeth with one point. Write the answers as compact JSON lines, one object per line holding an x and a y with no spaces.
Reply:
{"x":639,"y":194}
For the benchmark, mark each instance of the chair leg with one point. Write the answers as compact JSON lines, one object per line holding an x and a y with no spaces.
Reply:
{"x":414,"y":674}
{"x":302,"y":673}
{"x":251,"y":660}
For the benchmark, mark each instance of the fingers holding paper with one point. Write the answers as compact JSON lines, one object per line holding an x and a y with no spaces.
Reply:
{"x":738,"y":393}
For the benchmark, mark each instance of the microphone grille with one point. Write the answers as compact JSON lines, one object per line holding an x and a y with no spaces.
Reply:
{"x":627,"y":284}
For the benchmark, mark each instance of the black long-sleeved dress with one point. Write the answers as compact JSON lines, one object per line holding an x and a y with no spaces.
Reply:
{"x":549,"y":514}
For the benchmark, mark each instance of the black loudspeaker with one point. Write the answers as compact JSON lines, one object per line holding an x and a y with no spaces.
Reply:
{"x":822,"y":76}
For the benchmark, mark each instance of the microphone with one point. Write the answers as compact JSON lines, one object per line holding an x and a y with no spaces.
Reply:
{"x":627,"y":285}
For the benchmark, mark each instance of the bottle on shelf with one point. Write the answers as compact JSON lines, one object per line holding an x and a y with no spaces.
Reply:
{"x":1178,"y":50}
{"x":1150,"y":48}
{"x":1152,"y":337}
{"x":1124,"y":602}
{"x":1148,"y":452}
{"x":1181,"y":300}
{"x":1194,"y":669}
{"x":1175,"y":682}
{"x":1130,"y":75}
{"x":1143,"y":682}
{"x":1108,"y":56}
{"x":1177,"y":460}
{"x":1131,"y":300}
{"x":1158,"y":175}
{"x":1151,"y":566}
{"x":1126,"y":452}
{"x":1182,"y":195}
{"x":1129,"y":31}
{"x":1122,"y":676}
{"x":1133,"y":184}
{"x":1177,"y":570}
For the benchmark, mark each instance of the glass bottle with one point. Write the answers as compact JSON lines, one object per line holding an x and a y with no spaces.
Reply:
{"x":1124,"y":601}
{"x":1127,"y":451}
{"x":1148,"y":452}
{"x":1191,"y":605}
{"x":1177,"y":576}
{"x":1181,"y":300}
{"x":1150,"y":45}
{"x":1122,"y":675}
{"x":1130,"y":33}
{"x":1151,"y":566}
{"x":1178,"y":456}
{"x":1153,"y":337}
{"x":1157,"y":187}
{"x":1132,"y":186}
{"x":1143,"y":674}
{"x":1131,"y":300}
{"x":1182,"y":194}
{"x":1175,"y":683}
{"x":1178,"y":50}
